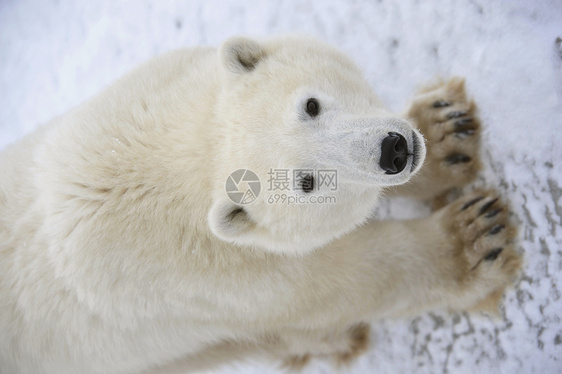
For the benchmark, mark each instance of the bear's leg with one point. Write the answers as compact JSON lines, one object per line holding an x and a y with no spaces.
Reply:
{"x":479,"y":239}
{"x":449,"y":123}
{"x":462,"y":257}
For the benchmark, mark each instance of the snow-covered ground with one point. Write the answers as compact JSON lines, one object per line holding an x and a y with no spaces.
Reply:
{"x":55,"y":54}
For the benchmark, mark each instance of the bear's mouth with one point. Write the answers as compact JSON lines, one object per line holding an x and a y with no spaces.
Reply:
{"x":414,"y":153}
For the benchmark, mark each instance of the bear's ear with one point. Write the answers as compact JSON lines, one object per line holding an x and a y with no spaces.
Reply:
{"x":241,"y":55}
{"x":228,"y":221}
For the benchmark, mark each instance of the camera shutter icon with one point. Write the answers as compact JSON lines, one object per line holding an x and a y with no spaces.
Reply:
{"x":243,"y":186}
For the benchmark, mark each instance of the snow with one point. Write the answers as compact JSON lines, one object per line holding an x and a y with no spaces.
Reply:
{"x":56,"y":54}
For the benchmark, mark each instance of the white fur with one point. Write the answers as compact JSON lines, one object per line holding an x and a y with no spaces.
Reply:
{"x":116,"y":251}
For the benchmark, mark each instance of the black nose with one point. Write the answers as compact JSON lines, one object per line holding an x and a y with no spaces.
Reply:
{"x":394,"y":153}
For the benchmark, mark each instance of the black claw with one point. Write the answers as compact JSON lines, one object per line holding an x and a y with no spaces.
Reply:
{"x":471,"y":203}
{"x":457,"y":159}
{"x":493,"y":213}
{"x":464,"y":133}
{"x":487,"y":206}
{"x":494,"y":253}
{"x":463,"y":122}
{"x":441,"y":104}
{"x":456,"y":114}
{"x":495,"y":229}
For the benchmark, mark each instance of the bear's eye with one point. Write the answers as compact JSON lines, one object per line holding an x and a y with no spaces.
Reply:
{"x":312,"y":107}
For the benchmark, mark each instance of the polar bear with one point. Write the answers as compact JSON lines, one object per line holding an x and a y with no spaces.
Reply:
{"x":123,"y":251}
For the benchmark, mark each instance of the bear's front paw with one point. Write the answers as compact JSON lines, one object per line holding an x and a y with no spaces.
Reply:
{"x":483,"y":241}
{"x":451,"y":128}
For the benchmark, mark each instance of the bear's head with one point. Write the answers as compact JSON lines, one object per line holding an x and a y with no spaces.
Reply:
{"x":299,"y":116}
